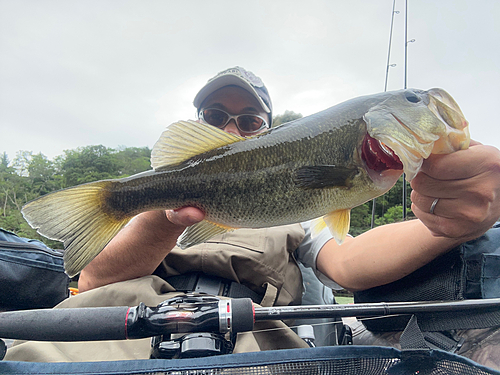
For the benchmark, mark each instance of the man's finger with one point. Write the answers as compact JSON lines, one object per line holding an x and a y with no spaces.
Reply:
{"x":185,"y":216}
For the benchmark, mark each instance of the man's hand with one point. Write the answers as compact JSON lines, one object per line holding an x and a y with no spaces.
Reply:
{"x":467,"y":184}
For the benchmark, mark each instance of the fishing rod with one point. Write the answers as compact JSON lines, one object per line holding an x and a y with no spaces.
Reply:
{"x":195,"y":312}
{"x":405,"y":87}
{"x":388,"y":65}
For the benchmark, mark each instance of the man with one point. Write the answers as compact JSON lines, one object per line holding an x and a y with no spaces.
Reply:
{"x":463,"y":189}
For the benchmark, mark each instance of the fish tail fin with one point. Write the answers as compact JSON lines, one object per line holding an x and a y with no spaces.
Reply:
{"x":80,"y":218}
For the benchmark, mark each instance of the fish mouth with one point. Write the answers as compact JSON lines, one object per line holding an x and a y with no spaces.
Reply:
{"x":447,"y":110}
{"x":415,"y":123}
{"x":378,"y":156}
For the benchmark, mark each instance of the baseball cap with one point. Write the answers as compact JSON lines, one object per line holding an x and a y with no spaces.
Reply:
{"x":237,"y":76}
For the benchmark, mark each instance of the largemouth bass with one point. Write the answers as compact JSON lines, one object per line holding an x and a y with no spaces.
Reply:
{"x":320,"y":166}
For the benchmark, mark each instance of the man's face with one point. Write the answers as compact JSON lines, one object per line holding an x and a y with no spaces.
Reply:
{"x":235,"y":101}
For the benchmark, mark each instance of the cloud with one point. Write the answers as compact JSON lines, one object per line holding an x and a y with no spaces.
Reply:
{"x":116,"y":73}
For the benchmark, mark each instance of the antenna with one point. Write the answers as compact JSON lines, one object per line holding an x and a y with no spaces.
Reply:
{"x":388,"y":65}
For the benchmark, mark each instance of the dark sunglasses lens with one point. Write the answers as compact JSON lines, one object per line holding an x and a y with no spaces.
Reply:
{"x":215,"y":117}
{"x":249,"y":123}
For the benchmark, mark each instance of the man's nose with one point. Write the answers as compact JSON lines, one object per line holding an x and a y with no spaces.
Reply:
{"x":232,"y":128}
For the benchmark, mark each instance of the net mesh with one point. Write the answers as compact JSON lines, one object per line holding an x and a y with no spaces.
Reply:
{"x":363,"y":366}
{"x":339,"y":360}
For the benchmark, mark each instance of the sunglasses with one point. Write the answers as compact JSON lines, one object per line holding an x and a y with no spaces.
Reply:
{"x":245,"y":123}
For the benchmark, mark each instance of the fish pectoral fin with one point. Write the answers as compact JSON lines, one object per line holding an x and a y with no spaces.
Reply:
{"x":317,"y":225}
{"x":323,"y":176}
{"x":338,"y":222}
{"x":200,"y":232}
{"x":185,"y":139}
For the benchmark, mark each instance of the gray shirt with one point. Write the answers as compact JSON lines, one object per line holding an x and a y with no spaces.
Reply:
{"x":308,"y":250}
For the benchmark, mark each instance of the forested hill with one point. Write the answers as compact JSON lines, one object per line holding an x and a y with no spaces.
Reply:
{"x":28,"y":176}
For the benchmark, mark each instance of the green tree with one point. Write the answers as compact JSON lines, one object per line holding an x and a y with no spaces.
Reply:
{"x":15,"y":191}
{"x":393,"y":215}
{"x":360,"y":219}
{"x":87,"y":164}
{"x":4,"y":161}
{"x":132,"y":160}
{"x":394,"y":197}
{"x":388,"y":209}
{"x":22,"y":161}
{"x":42,"y":174}
{"x":285,"y":117}
{"x":30,"y":176}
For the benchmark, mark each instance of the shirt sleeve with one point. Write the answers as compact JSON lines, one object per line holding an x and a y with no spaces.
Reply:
{"x":308,"y":250}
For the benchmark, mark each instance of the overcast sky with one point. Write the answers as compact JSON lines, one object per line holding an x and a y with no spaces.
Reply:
{"x":116,"y":73}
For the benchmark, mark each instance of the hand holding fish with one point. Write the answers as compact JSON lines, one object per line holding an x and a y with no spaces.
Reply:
{"x":467,"y":184}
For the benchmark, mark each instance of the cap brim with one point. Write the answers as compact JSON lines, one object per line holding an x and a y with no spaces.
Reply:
{"x":227,"y":80}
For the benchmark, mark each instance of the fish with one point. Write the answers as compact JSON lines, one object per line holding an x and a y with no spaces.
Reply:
{"x":317,"y":168}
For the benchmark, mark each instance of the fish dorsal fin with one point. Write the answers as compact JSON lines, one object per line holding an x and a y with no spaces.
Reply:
{"x":200,"y":232}
{"x":338,"y":222}
{"x":185,"y":139}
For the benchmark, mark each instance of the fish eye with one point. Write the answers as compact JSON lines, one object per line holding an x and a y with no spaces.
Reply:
{"x":412,"y":97}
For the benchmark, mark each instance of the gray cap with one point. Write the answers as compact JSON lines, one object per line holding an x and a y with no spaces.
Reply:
{"x":237,"y":76}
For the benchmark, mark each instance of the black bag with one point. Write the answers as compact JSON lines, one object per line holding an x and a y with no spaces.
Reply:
{"x":31,"y":274}
{"x":470,"y":271}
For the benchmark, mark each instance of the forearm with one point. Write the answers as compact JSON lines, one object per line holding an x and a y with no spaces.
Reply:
{"x":382,"y":255}
{"x":135,"y":252}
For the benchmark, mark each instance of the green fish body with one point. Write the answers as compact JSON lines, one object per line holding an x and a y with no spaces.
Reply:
{"x":320,"y":166}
